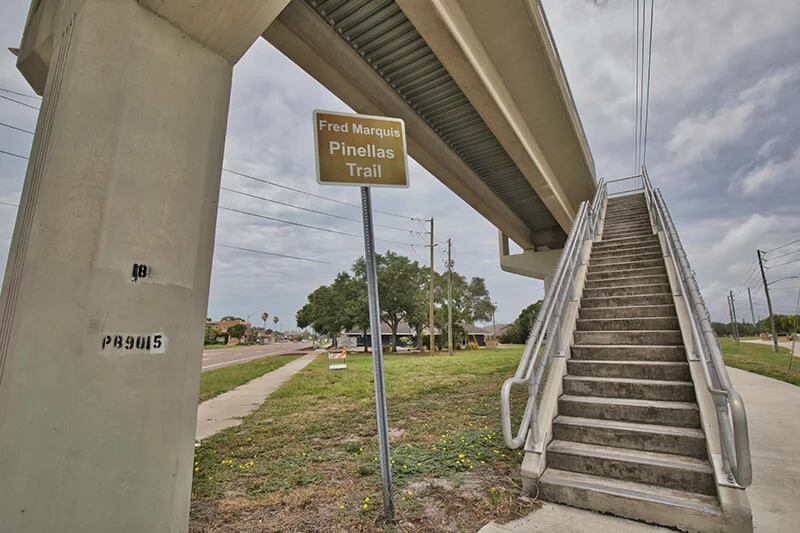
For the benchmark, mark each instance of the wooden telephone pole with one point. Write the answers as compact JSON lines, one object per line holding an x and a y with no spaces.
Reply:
{"x":769,"y":302}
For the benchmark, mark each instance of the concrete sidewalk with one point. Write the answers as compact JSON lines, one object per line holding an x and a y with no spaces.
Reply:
{"x":774,"y":427}
{"x":228,"y":409}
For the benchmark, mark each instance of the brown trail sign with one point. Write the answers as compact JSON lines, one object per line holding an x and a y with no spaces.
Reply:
{"x":360,"y":150}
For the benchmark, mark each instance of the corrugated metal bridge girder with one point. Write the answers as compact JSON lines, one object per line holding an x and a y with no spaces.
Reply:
{"x":384,"y":37}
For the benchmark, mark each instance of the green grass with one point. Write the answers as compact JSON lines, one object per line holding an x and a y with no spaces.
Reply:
{"x":215,"y":382}
{"x":760,"y":359}
{"x":308,"y":454}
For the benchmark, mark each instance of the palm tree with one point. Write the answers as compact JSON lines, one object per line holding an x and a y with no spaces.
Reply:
{"x":275,"y":320}
{"x":264,"y":317}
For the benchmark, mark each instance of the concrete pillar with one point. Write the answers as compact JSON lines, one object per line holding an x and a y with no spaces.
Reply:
{"x":99,"y":371}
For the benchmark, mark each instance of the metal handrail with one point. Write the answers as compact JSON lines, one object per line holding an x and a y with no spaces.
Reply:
{"x":547,"y":328}
{"x":731,"y":414}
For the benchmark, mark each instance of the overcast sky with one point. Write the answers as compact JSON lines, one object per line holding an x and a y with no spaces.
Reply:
{"x":724,"y":147}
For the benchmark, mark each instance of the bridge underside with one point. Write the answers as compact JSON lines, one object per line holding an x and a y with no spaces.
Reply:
{"x":480,"y":87}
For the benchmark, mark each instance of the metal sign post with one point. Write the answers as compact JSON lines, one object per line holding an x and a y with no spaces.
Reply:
{"x":377,"y":355}
{"x":366,"y":151}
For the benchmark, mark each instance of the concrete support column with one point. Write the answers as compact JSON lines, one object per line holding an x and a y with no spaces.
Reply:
{"x":100,"y":361}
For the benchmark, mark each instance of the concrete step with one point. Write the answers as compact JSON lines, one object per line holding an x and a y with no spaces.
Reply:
{"x":626,"y":265}
{"x":627,"y":220}
{"x":631,"y":252}
{"x":595,"y":313}
{"x":626,"y":205}
{"x":687,"y":511}
{"x":613,"y":234}
{"x":633,"y":272}
{"x":628,"y":227}
{"x":655,"y":370}
{"x":627,"y":290}
{"x":621,"y":301}
{"x":648,"y":338}
{"x":639,"y":323}
{"x":613,"y":209}
{"x":662,"y":413}
{"x":625,"y":240}
{"x":688,"y":442}
{"x":626,"y":281}
{"x":660,"y":469}
{"x":602,"y":246}
{"x":621,"y":226}
{"x":635,"y":389}
{"x":617,"y":352}
{"x":627,"y":216}
{"x":614,"y":259}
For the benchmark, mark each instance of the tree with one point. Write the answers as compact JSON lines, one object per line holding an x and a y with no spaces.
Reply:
{"x":519,"y":331}
{"x":471,"y":303}
{"x":230,"y":318}
{"x":398,"y":287}
{"x":264,"y":317}
{"x":211,"y":335}
{"x":237,"y":331}
{"x":326,"y":309}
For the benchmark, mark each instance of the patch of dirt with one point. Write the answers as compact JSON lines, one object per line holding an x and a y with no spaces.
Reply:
{"x":465,"y":502}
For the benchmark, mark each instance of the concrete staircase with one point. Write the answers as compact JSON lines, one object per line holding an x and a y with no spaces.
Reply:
{"x":627,"y":439}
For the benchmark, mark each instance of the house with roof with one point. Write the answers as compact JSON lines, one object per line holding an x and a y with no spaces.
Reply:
{"x":356,"y":338}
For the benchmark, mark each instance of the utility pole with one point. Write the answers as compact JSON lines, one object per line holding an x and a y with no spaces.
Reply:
{"x":433,"y":328}
{"x":794,"y":335}
{"x":735,"y":324}
{"x":730,"y":314}
{"x":752,"y":314}
{"x":449,"y":300}
{"x":769,"y":302}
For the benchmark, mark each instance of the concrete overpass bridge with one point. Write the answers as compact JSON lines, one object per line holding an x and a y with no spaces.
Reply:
{"x":125,"y":171}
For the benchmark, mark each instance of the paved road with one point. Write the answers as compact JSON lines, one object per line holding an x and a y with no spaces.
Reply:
{"x":230,"y":356}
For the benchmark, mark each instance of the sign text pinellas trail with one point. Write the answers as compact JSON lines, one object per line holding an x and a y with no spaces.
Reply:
{"x":360,"y":150}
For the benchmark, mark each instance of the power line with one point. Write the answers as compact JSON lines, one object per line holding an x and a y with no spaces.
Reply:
{"x":636,"y":90}
{"x":647,"y":104}
{"x":783,"y":255}
{"x":9,"y":204}
{"x":405,"y":217}
{"x":641,"y":81}
{"x":262,"y":252}
{"x":358,"y":206}
{"x":20,"y":94}
{"x":18,"y":102}
{"x":782,"y":246}
{"x":272,"y":218}
{"x":782,"y":264}
{"x":308,"y":209}
{"x":15,"y":128}
{"x":13,"y":155}
{"x":308,"y":226}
